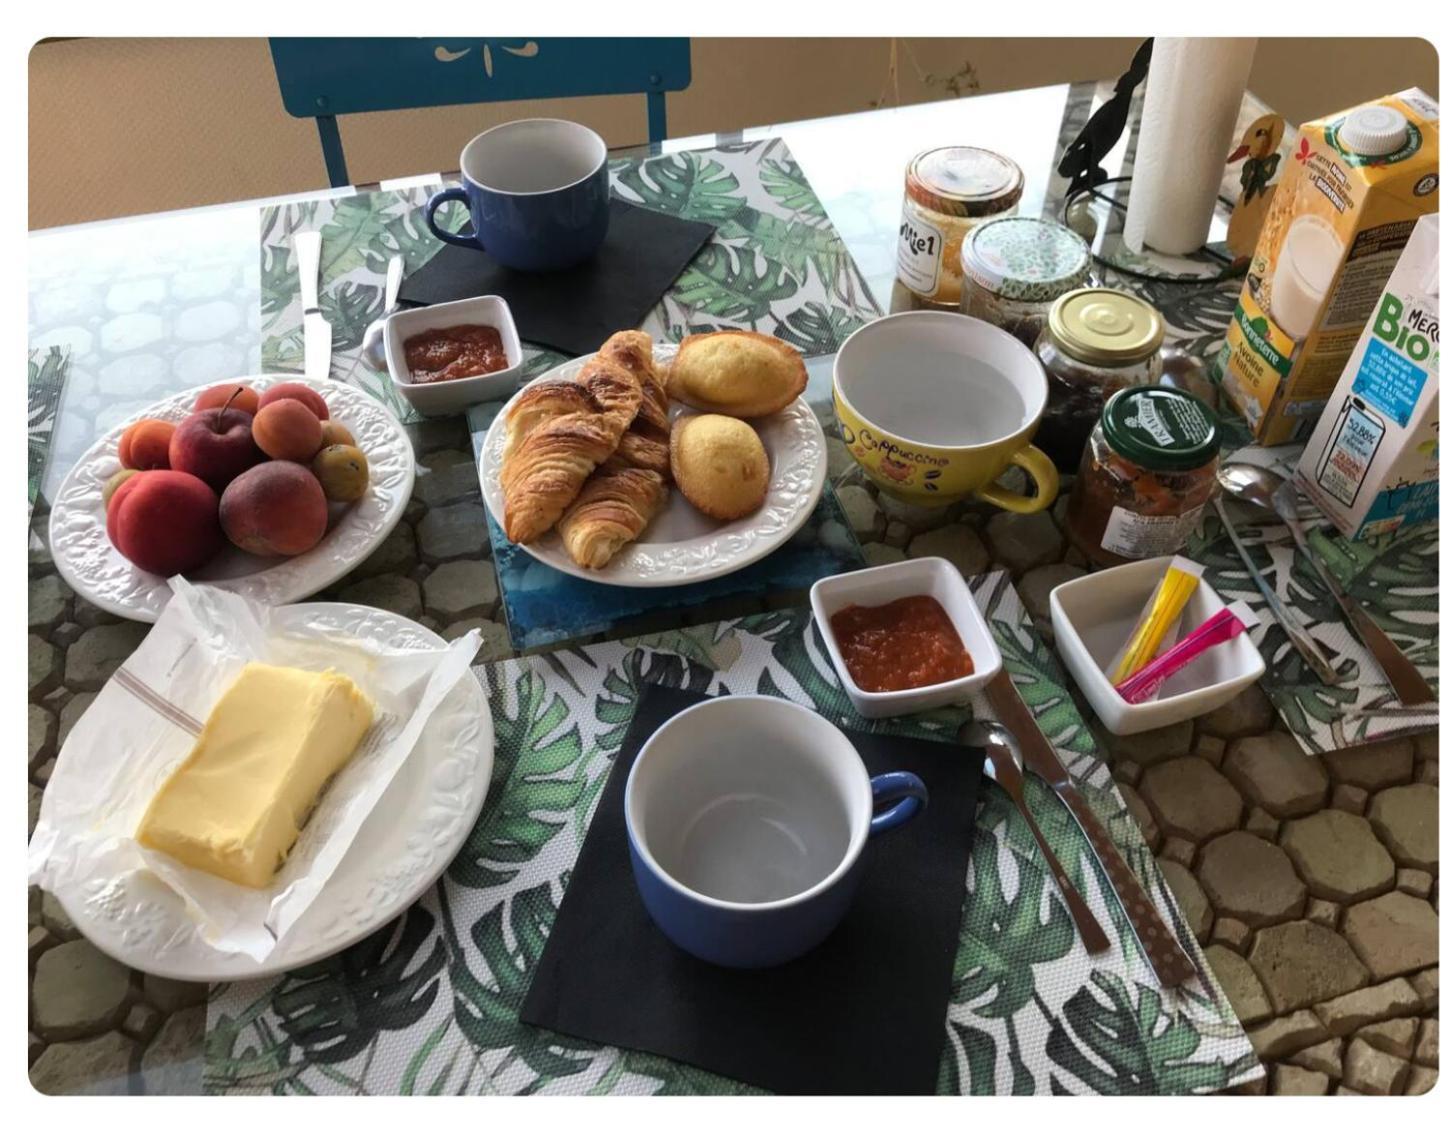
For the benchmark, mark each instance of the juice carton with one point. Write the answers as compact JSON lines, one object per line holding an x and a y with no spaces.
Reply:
{"x":1372,"y":463}
{"x":1344,"y":211}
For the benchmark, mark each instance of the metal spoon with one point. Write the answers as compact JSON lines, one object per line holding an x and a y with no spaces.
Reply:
{"x":1004,"y":765}
{"x":1267,"y":489}
{"x":1298,"y":634}
{"x":372,"y":349}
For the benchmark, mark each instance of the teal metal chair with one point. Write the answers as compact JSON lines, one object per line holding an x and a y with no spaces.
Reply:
{"x":324,"y":78}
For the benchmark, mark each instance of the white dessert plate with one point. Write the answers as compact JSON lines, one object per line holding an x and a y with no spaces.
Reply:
{"x":682,"y":544}
{"x":92,"y":566}
{"x":415,"y":830}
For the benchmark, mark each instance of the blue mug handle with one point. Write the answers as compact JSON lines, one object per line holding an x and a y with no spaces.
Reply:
{"x":898,"y":784}
{"x":453,"y":193}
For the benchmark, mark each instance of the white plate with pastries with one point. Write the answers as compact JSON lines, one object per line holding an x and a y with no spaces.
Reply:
{"x":679,"y":543}
{"x":99,"y":573}
{"x":415,"y":830}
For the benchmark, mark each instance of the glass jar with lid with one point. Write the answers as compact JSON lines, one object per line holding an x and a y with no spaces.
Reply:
{"x":1097,"y":341}
{"x":948,"y":192}
{"x":1014,"y":268}
{"x":1149,"y":468}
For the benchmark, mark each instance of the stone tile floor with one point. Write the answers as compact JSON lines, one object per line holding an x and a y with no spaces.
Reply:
{"x":1313,"y":881}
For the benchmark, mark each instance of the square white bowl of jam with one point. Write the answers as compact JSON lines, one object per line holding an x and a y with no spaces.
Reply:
{"x":895,"y":652}
{"x":460,"y":340}
{"x":1093,"y":616}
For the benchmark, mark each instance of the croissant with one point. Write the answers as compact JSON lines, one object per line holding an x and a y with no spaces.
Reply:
{"x":548,"y":454}
{"x":640,"y":451}
{"x":635,"y":351}
{"x":612,"y":510}
{"x":541,"y":402}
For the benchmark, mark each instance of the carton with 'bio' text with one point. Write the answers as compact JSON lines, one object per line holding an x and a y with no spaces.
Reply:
{"x":1373,"y":461}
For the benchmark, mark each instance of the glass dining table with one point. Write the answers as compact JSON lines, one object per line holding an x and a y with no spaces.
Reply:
{"x":125,"y":312}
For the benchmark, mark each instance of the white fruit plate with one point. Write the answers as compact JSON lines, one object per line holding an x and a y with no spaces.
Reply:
{"x":92,"y":566}
{"x":682,"y":545}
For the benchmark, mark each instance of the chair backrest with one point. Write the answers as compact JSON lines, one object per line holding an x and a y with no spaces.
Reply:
{"x":323,"y":78}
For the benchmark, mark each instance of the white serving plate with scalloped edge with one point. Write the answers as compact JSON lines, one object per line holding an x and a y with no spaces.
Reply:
{"x":683,"y":545}
{"x":92,"y":566}
{"x":414,"y":832}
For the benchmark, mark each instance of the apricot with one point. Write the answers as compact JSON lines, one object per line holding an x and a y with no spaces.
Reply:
{"x":274,"y":509}
{"x":145,"y":444}
{"x":288,"y":430}
{"x":114,"y":483}
{"x":342,"y":472}
{"x":242,"y":397}
{"x":299,"y":391}
{"x":165,"y":522}
{"x":335,"y":433}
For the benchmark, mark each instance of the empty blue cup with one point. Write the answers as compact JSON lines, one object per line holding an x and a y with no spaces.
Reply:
{"x":747,"y":817}
{"x":538,"y":194}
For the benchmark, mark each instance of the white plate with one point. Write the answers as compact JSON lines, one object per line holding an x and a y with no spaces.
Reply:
{"x":682,"y":544}
{"x":416,"y":829}
{"x":90,"y":564}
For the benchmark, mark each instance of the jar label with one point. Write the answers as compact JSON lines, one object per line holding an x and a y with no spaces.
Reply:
{"x":1131,"y":534}
{"x":919,"y":253}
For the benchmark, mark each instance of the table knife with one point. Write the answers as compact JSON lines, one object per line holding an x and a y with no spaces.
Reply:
{"x":1168,"y":959}
{"x":317,"y":333}
{"x":1405,"y":679}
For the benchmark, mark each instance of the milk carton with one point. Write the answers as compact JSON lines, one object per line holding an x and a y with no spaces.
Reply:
{"x":1372,"y":463}
{"x":1356,"y":185}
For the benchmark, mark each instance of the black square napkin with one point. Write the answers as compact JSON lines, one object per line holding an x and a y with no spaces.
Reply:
{"x":865,"y":1013}
{"x":577,"y":309}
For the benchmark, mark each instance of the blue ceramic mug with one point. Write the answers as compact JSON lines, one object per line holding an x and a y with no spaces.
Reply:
{"x":747,"y":816}
{"x":538,"y":192}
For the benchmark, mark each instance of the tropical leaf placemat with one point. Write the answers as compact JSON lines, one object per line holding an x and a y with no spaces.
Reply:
{"x":1396,"y":577}
{"x":775,"y":264}
{"x":429,"y":1005}
{"x":46,"y":375}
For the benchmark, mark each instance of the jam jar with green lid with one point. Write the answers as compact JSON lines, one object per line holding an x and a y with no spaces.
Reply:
{"x":1014,"y":268}
{"x":1149,"y":468}
{"x":1098,"y":341}
{"x":948,"y":192}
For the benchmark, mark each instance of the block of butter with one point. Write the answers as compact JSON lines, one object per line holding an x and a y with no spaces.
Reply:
{"x":235,"y":806}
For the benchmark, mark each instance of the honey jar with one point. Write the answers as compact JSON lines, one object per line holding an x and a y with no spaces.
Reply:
{"x":948,"y":192}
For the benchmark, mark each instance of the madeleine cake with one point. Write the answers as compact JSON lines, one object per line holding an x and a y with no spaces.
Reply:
{"x":746,"y":374}
{"x":720,"y":465}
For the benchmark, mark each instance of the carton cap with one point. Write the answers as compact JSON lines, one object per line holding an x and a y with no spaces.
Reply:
{"x":1374,"y":130}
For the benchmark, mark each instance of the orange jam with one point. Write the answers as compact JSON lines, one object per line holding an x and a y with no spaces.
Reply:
{"x":454,"y":353}
{"x":898,"y":646}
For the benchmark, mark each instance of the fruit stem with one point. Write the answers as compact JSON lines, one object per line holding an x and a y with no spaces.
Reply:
{"x":221,"y":410}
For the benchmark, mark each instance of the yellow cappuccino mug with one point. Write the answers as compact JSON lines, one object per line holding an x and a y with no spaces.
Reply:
{"x":936,"y":405}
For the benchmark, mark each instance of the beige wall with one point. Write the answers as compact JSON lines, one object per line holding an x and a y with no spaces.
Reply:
{"x":126,"y":126}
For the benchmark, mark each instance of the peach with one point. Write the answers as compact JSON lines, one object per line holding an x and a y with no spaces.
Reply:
{"x":288,"y":430}
{"x":275,"y":509}
{"x":144,"y":445}
{"x":299,"y":391}
{"x":165,"y":522}
{"x":336,"y":434}
{"x":239,"y":395}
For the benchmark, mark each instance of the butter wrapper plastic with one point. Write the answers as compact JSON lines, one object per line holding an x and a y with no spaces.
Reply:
{"x":144,"y":722}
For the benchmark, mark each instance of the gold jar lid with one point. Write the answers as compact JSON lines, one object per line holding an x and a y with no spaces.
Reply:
{"x":964,"y":181}
{"x":1105,"y":326}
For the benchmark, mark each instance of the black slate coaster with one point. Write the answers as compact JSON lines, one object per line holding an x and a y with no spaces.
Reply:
{"x":865,"y":1013}
{"x":577,"y":309}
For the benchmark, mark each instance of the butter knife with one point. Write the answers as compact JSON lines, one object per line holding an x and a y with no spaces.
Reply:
{"x":1168,"y":959}
{"x":317,"y":333}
